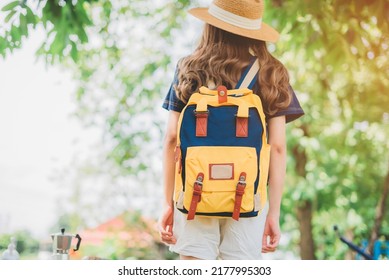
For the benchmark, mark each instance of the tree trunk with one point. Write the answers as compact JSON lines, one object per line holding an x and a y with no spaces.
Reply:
{"x":304,"y":216}
{"x":380,"y":213}
{"x":304,"y":209}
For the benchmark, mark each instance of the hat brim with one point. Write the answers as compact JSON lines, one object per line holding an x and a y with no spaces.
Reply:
{"x":265,"y":33}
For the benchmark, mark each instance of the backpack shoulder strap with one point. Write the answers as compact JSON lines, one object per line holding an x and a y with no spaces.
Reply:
{"x":249,"y":76}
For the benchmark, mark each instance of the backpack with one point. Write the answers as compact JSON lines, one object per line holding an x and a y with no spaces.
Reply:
{"x":222,"y":155}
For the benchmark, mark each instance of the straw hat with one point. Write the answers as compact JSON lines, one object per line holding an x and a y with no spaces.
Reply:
{"x":242,"y":17}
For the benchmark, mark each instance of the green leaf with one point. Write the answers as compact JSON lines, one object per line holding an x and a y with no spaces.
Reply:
{"x":82,"y":15}
{"x":9,"y":16}
{"x":3,"y":43}
{"x":58,"y":45}
{"x":30,"y":16}
{"x":23,"y":25}
{"x":10,"y":6}
{"x":82,"y":35}
{"x":15,"y":33}
{"x":74,"y":52}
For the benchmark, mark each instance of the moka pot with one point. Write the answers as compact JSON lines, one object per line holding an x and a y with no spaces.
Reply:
{"x":62,"y":243}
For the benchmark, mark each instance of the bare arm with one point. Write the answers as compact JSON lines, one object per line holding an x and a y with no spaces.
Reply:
{"x":277,"y":172}
{"x":166,"y":219}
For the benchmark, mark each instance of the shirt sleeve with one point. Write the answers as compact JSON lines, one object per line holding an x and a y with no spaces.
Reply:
{"x":172,"y":102}
{"x":293,"y":111}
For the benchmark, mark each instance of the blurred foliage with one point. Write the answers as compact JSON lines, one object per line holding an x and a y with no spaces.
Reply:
{"x":336,"y":52}
{"x":120,"y":68}
{"x":128,"y":236}
{"x":65,"y":24}
{"x":123,"y":55}
{"x":25,"y":244}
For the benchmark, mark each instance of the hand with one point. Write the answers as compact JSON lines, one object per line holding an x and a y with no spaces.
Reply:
{"x":165,"y":226}
{"x":271,"y":235}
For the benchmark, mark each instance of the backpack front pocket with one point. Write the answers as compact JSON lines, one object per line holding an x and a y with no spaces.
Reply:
{"x":222,"y":168}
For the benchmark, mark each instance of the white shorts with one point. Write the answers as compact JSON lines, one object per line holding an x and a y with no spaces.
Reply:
{"x":219,"y":238}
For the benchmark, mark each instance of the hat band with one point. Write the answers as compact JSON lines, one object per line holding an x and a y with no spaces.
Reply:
{"x":239,"y":21}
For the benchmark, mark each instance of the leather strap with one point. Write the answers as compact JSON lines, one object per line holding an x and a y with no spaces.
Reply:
{"x":201,"y":124}
{"x":242,"y":120}
{"x":242,"y":127}
{"x":247,"y":80}
{"x":238,"y":195}
{"x":201,"y":113}
{"x":222,"y":94}
{"x":196,"y":198}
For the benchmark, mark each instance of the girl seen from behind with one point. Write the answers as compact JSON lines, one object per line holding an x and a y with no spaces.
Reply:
{"x":233,"y":40}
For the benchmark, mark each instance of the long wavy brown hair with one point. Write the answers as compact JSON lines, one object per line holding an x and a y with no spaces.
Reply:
{"x":220,"y":59}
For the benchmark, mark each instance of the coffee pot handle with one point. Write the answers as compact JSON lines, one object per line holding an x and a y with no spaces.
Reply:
{"x":78,"y":242}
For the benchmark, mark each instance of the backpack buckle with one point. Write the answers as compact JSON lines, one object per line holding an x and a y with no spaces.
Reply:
{"x":201,"y":113}
{"x":199,"y":179}
{"x":242,"y":179}
{"x":198,"y":186}
{"x":238,"y":195}
{"x":196,"y":196}
{"x":241,"y":184}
